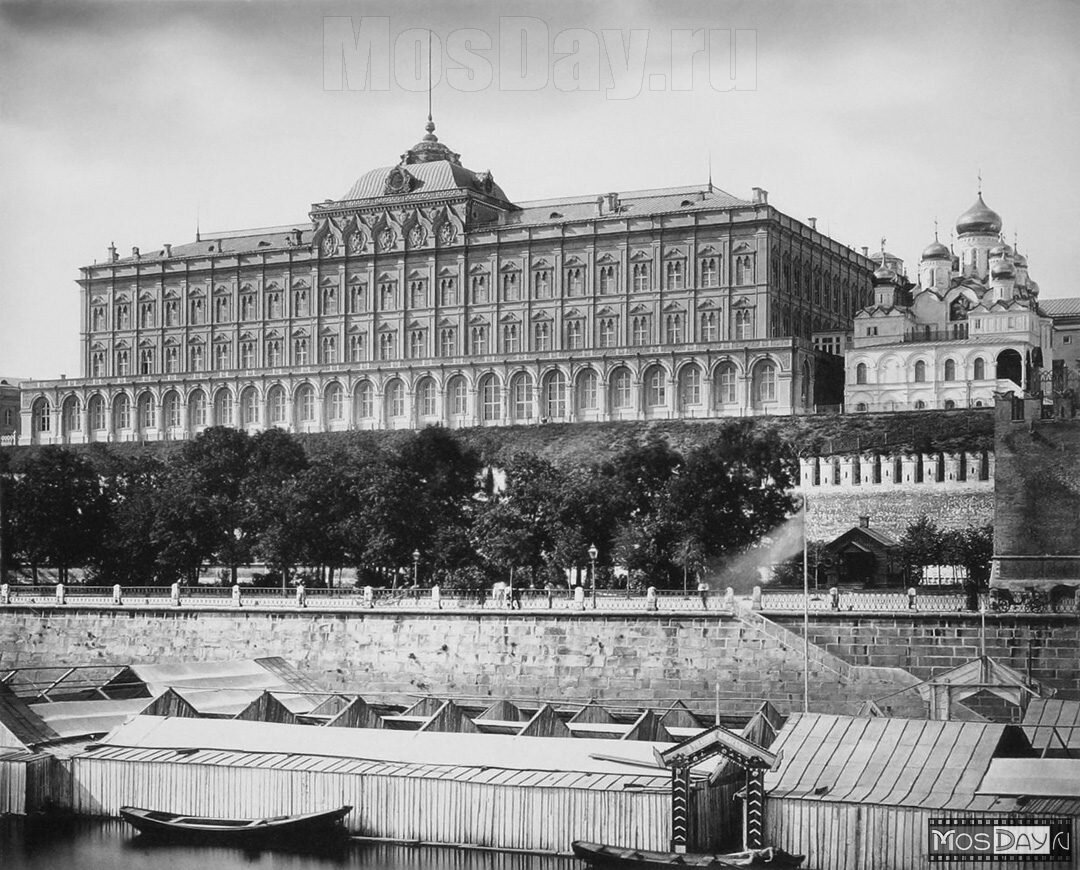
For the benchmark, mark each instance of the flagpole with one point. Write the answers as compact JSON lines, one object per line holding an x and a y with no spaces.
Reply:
{"x":806,"y":613}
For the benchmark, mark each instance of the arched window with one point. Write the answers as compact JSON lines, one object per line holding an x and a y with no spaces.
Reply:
{"x":304,"y":402}
{"x":223,"y":408}
{"x":673,"y":328}
{"x":426,"y":397}
{"x":920,"y":405}
{"x":147,"y":412}
{"x":521,"y":396}
{"x":395,"y":399}
{"x":764,"y":382}
{"x":726,"y":380}
{"x":276,"y":405}
{"x":70,"y":415}
{"x":121,"y":412}
{"x":743,"y":326}
{"x":334,"y":401}
{"x":979,"y":369}
{"x":364,"y":401}
{"x":949,"y":404}
{"x":586,"y":391}
{"x":621,"y":389}
{"x":490,"y":398}
{"x":457,"y":394}
{"x":197,"y":408}
{"x":920,"y":372}
{"x":96,"y":410}
{"x":554,"y":395}
{"x":655,"y":387}
{"x":171,"y":407}
{"x":950,"y":370}
{"x":708,"y":326}
{"x":689,"y":386}
{"x":860,"y":406}
{"x":249,"y":407}
{"x":860,"y":373}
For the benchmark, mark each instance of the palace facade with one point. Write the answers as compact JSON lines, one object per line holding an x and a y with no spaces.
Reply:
{"x":425,"y":296}
{"x":970,"y":326}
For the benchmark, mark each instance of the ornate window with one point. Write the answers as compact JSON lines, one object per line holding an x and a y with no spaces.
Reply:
{"x":172,"y":312}
{"x":920,"y":372}
{"x":221,"y":356}
{"x":146,"y":315}
{"x":357,"y":298}
{"x":448,"y":341}
{"x":364,"y":402}
{"x":542,"y":335}
{"x":329,"y":350}
{"x":122,"y":412}
{"x":171,"y":409}
{"x":690,"y":386}
{"x":329,"y":300}
{"x":426,"y":395}
{"x":221,"y":309}
{"x":277,"y":408}
{"x":979,"y":369}
{"x":764,"y":383}
{"x":387,"y":345}
{"x":300,"y":351}
{"x":448,"y":291}
{"x":479,"y":289}
{"x":587,"y":390}
{"x":305,"y":403}
{"x":490,"y":398}
{"x":710,"y":274}
{"x":197,"y":410}
{"x":709,"y":330}
{"x":641,"y":277}
{"x":575,"y":285}
{"x":97,"y":318}
{"x":249,"y":407}
{"x":97,"y":364}
{"x":521,"y":396}
{"x":417,"y":343}
{"x":676,"y":274}
{"x":335,"y":401}
{"x":542,"y":284}
{"x":147,"y":412}
{"x":860,"y":373}
{"x":395,"y":399}
{"x":479,"y":335}
{"x":656,"y":387}
{"x":123,"y":363}
{"x":418,"y":294}
{"x":300,"y":303}
{"x":511,"y":287}
{"x":96,"y":409}
{"x":196,"y":312}
{"x":726,"y":380}
{"x":575,"y":334}
{"x":744,"y":270}
{"x":172,"y":359}
{"x":554,"y":395}
{"x":123,"y":315}
{"x":223,"y":408}
{"x":357,"y":347}
{"x":607,"y":337}
{"x":196,"y":358}
{"x":273,"y":352}
{"x":71,"y":414}
{"x":387,"y":301}
{"x":247,"y":354}
{"x":622,"y":396}
{"x":640,"y":334}
{"x":950,"y":370}
{"x":607,"y":280}
{"x":247,"y":306}
{"x":273,"y":305}
{"x":146,"y":361}
{"x":743,"y":325}
{"x":511,"y":338}
{"x":459,"y":396}
{"x":673,"y":333}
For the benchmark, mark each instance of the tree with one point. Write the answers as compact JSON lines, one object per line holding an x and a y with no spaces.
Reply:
{"x":274,"y":507}
{"x":920,"y":546}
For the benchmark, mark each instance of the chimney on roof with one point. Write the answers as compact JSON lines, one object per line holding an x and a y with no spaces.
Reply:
{"x":761,"y":196}
{"x":813,"y":223}
{"x":864,"y":522}
{"x":168,"y":249}
{"x":865,"y":251}
{"x":113,"y":256}
{"x":612,"y":202}
{"x":135,"y":252}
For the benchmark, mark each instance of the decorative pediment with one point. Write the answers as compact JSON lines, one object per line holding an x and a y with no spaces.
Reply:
{"x":510,"y":318}
{"x":122,"y":344}
{"x":478,"y":270}
{"x":172,"y":293}
{"x":387,"y":278}
{"x":477,"y":320}
{"x":97,"y":345}
{"x":221,"y":288}
{"x":606,"y":259}
{"x":356,"y":279}
{"x":247,"y":335}
{"x":447,"y":272}
{"x":606,"y":311}
{"x":541,"y":315}
{"x":541,"y":264}
{"x":171,"y":341}
{"x":300,"y":284}
{"x":196,"y":339}
{"x":742,"y":302}
{"x":99,"y":300}
{"x":328,"y":282}
{"x":386,"y":327}
{"x":674,"y":306}
{"x":299,"y":332}
{"x":641,"y":257}
{"x":417,"y":275}
{"x":510,"y":267}
{"x":641,"y":309}
{"x":675,"y":254}
{"x":273,"y":285}
{"x":743,"y":248}
{"x":196,"y":292}
{"x":707,"y":251}
{"x":573,"y":260}
{"x":273,"y":333}
{"x":122,"y":297}
{"x":246,"y":287}
{"x":447,"y":322}
{"x":355,"y":329}
{"x":221,"y":339}
{"x":147,"y":296}
{"x":707,"y":304}
{"x":572,"y":314}
{"x":146,"y":342}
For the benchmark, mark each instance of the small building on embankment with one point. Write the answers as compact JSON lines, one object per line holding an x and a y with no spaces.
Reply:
{"x":533,"y":793}
{"x":855,"y":793}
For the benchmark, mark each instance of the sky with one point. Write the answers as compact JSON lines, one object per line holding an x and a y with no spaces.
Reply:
{"x":132,"y":122}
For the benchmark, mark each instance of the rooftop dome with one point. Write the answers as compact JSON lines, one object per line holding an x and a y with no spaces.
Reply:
{"x":884,"y":275}
{"x":428,"y":167}
{"x":1002,"y":250}
{"x":1020,"y":259}
{"x":980,"y":218}
{"x":1003,"y":269}
{"x":936,"y":251}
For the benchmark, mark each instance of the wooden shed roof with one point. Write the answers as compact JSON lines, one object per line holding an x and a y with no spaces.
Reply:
{"x":1053,"y":726}
{"x":892,"y":762}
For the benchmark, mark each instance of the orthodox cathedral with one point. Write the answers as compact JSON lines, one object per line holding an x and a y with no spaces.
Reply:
{"x":967,"y":326}
{"x":425,"y":296}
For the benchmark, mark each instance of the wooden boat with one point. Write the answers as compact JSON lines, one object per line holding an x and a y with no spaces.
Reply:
{"x":277,"y":828}
{"x":615,"y":857}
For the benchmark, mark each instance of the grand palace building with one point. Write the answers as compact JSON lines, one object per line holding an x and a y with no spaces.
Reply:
{"x":425,"y":296}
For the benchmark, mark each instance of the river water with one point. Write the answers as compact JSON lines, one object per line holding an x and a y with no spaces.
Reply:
{"x":113,"y":845}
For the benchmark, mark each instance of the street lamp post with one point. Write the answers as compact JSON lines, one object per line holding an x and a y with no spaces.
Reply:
{"x":593,"y":553}
{"x":415,"y":568}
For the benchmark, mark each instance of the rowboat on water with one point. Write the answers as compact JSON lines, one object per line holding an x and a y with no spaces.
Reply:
{"x":276,"y":828}
{"x":615,"y":857}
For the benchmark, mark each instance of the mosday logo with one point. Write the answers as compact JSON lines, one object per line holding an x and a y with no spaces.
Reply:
{"x":1000,"y":840}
